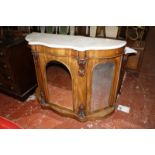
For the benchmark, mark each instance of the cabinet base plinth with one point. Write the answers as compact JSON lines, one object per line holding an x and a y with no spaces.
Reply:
{"x":69,"y":113}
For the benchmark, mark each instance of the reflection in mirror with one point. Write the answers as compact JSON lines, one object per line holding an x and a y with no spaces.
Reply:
{"x":101,"y":85}
{"x":59,"y":84}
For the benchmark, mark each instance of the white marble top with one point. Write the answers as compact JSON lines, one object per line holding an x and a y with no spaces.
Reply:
{"x":79,"y":43}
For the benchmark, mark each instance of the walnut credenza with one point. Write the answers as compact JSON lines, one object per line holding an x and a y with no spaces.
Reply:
{"x":94,"y":66}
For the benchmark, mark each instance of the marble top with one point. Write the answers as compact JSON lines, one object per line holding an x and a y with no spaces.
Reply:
{"x":79,"y":43}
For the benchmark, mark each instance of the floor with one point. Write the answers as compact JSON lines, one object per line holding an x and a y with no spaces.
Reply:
{"x":137,"y":93}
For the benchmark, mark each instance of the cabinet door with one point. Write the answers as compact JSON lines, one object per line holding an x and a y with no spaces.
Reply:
{"x":101,"y":84}
{"x":59,"y":83}
{"x":102,"y":76}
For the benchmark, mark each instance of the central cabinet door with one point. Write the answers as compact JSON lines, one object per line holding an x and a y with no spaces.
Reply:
{"x":99,"y":84}
{"x":59,"y":83}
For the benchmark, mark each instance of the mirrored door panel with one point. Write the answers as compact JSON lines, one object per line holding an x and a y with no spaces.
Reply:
{"x":102,"y":77}
{"x":59,"y":85}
